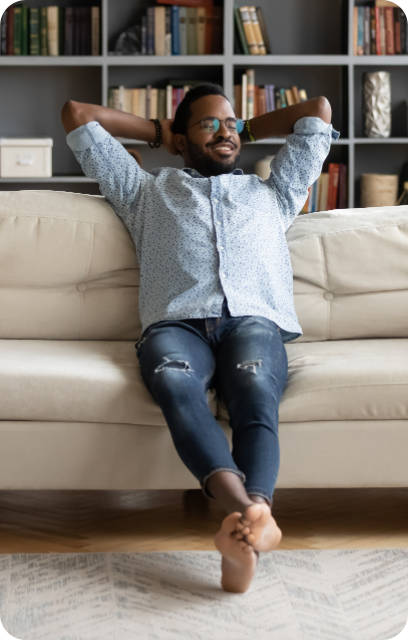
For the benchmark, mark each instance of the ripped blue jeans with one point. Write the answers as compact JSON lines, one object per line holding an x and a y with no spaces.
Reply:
{"x":245,"y":360}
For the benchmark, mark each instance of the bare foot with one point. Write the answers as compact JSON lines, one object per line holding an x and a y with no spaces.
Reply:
{"x":239,"y":559}
{"x":258,"y":528}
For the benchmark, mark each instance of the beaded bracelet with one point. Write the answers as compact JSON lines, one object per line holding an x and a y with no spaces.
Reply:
{"x":159,"y":134}
{"x":248,"y":128}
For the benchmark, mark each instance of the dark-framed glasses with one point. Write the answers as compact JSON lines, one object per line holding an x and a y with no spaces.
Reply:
{"x":211,"y":125}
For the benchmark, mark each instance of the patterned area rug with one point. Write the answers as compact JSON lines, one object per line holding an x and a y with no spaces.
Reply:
{"x":296,"y":595}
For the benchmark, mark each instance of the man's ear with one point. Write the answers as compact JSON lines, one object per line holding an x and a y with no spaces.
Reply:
{"x":179,"y":140}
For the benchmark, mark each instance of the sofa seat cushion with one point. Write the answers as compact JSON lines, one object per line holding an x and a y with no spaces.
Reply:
{"x":345,"y":380}
{"x":76,"y":381}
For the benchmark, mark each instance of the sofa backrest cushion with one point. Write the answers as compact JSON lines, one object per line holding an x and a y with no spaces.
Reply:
{"x":68,"y":269}
{"x":350,"y":273}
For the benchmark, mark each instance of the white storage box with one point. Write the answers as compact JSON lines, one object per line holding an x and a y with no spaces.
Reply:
{"x":25,"y":157}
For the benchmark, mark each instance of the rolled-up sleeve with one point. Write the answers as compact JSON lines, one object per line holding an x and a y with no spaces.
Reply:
{"x":105,"y":160}
{"x":299,"y":163}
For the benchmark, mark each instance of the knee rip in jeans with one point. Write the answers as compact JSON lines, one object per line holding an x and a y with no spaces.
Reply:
{"x":250,"y":364}
{"x":175,"y":365}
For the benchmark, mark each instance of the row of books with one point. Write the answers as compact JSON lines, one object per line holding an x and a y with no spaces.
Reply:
{"x":251,"y":35}
{"x":149,"y":102}
{"x":329,"y":191}
{"x":50,"y":31}
{"x":181,"y":30}
{"x":380,"y":30}
{"x":251,"y":100}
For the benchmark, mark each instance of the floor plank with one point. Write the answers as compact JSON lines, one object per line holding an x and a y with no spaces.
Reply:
{"x":103,"y":521}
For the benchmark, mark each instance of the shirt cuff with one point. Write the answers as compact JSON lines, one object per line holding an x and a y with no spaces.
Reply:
{"x":310,"y":125}
{"x":86,"y":136}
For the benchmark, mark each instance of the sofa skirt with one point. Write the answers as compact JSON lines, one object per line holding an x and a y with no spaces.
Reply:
{"x":69,"y":455}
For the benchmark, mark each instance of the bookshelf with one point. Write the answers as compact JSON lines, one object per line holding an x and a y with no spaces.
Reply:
{"x":312,"y":48}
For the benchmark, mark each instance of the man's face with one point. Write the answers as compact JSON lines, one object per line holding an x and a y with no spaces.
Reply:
{"x":211,"y":154}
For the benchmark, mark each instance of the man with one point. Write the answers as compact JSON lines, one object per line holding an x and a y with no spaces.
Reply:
{"x":216,"y":298}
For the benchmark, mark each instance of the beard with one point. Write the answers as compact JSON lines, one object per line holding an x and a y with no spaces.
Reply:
{"x":206,"y":165}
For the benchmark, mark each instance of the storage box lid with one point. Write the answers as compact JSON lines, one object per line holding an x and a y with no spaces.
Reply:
{"x":26,"y":142}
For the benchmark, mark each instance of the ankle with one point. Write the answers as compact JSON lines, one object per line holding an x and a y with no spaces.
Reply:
{"x":258,"y":499}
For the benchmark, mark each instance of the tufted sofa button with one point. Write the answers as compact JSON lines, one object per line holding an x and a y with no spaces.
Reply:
{"x":328,"y":295}
{"x":81,"y":286}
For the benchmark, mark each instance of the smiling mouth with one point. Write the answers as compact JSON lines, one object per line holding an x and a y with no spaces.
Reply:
{"x":222,"y":148}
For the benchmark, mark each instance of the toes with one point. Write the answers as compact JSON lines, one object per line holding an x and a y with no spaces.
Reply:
{"x":229,"y":524}
{"x":250,"y":538}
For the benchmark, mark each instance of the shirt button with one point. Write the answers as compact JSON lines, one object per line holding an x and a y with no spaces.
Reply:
{"x":218,"y":222}
{"x":221,"y":248}
{"x":223,"y":275}
{"x":215,"y":200}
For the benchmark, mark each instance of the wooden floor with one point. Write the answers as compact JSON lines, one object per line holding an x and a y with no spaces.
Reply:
{"x":81,"y":521}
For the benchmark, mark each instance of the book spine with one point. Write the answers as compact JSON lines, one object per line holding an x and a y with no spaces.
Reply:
{"x":257,"y":31}
{"x":144,"y":35}
{"x":34,"y":32}
{"x":264,"y":31}
{"x":267,"y":98}
{"x":382,"y":30}
{"x":183,"y":30}
{"x":201,"y":31}
{"x":3,"y":46}
{"x":249,"y":31}
{"x":272,"y":97}
{"x":367,"y":29}
{"x":256,"y":101}
{"x":175,"y":30}
{"x":355,"y":30}
{"x":69,"y":31}
{"x":96,"y":31}
{"x":283,"y":98}
{"x":191,"y":31}
{"x":142,"y":103}
{"x":403,"y":27}
{"x":161,"y":104}
{"x":77,"y":31}
{"x":262,"y":101}
{"x":153,"y":103}
{"x":24,"y":30}
{"x":250,"y":73}
{"x":378,"y":29}
{"x":333,"y":186}
{"x":208,"y":28}
{"x":10,"y":31}
{"x":61,"y":29}
{"x":244,"y":94}
{"x":150,"y":31}
{"x":277,"y":96}
{"x":148,"y":101}
{"x":159,"y":30}
{"x":217,"y":44}
{"x":238,"y":101}
{"x":373,"y":32}
{"x":173,"y":102}
{"x":389,"y":31}
{"x":397,"y":31}
{"x":360,"y":35}
{"x":240,"y":31}
{"x":43,"y":31}
{"x":167,"y":42}
{"x":169,"y":101}
{"x":52,"y":21}
{"x":17,"y":31}
{"x":289,"y":97}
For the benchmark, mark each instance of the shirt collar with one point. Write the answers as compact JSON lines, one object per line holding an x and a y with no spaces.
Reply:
{"x":195,"y":174}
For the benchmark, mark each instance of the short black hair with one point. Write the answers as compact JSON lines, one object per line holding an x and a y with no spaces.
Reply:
{"x":183,"y":111}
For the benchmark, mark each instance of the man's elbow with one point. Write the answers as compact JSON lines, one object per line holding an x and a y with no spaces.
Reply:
{"x":323,"y":109}
{"x":70,"y":116}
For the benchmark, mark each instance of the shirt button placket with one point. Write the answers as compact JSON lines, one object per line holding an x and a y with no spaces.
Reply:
{"x":219,"y":236}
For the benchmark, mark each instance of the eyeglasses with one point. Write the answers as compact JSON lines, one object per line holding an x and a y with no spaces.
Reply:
{"x":211,"y":125}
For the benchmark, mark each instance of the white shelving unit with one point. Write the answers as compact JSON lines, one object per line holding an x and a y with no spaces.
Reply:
{"x":313,"y":44}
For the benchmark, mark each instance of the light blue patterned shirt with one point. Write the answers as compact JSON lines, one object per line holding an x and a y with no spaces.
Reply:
{"x":199,"y":239}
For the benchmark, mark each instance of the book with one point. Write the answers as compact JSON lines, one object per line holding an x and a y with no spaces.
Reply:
{"x":295,"y":93}
{"x":173,"y":102}
{"x":249,"y":31}
{"x":69,"y":31}
{"x":150,"y":31}
{"x":355,"y":30}
{"x":3,"y":35}
{"x":238,"y":100}
{"x":403,"y":27}
{"x":144,"y":36}
{"x":142,"y":102}
{"x":43,"y":32}
{"x":244,"y":104}
{"x":271,"y":91}
{"x":175,"y":30}
{"x":367,"y":29}
{"x":289,"y":97}
{"x":34,"y":31}
{"x":153,"y":103}
{"x":397,"y":31}
{"x":256,"y":100}
{"x":159,"y":30}
{"x":262,"y":101}
{"x":24,"y":30}
{"x":217,"y":44}
{"x":191,"y":31}
{"x":373,"y":32}
{"x":169,"y":101}
{"x":360,"y":33}
{"x":10,"y":31}
{"x":277,"y":96}
{"x":209,"y":10}
{"x":324,"y":190}
{"x":183,"y":30}
{"x":250,"y":94}
{"x":239,"y":31}
{"x":378,"y":30}
{"x":264,"y":31}
{"x":385,"y":3}
{"x":283,"y":98}
{"x":95,"y":31}
{"x":382,"y":31}
{"x":17,"y":30}
{"x":333,"y":186}
{"x":200,"y":31}
{"x":257,"y":31}
{"x":342,"y":190}
{"x":167,"y":41}
{"x":302,"y":95}
{"x":52,"y":30}
{"x":161,"y":104}
{"x":389,"y":31}
{"x":61,"y":30}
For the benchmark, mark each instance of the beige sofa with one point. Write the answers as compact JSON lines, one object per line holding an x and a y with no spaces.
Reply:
{"x":74,"y":412}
